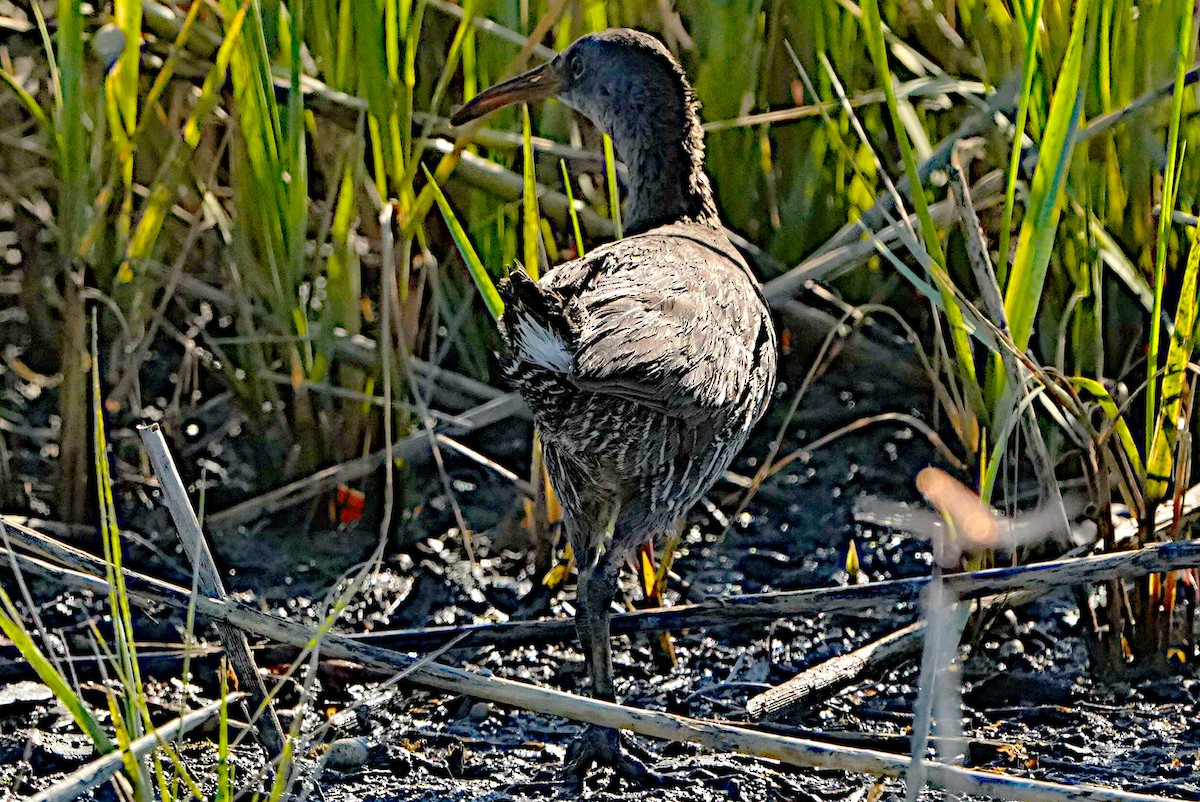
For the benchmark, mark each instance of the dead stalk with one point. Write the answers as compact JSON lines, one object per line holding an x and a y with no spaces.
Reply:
{"x":207,"y":580}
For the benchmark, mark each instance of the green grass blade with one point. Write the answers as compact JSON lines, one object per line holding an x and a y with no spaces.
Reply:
{"x":295,"y":142}
{"x":210,"y":92}
{"x":1118,"y":262}
{"x":470,"y":75}
{"x":873,"y":27}
{"x":343,"y":68}
{"x":165,"y":792}
{"x":1166,"y":433}
{"x":122,"y":94}
{"x":483,"y":281}
{"x":1028,"y":70}
{"x":27,"y":100}
{"x":128,"y":669}
{"x":530,"y":217}
{"x":1183,"y":61}
{"x":379,"y":88}
{"x":342,"y":267}
{"x":178,"y":50}
{"x":571,"y":210}
{"x":84,"y":718}
{"x":48,"y":44}
{"x":322,"y":24}
{"x":959,"y":333}
{"x":614,"y":192}
{"x":403,"y":121}
{"x":224,"y":767}
{"x":162,"y":191}
{"x":1098,"y":393}
{"x":1038,"y":230}
{"x":449,"y":70}
{"x":595,"y":14}
{"x":133,"y":769}
{"x":69,"y":124}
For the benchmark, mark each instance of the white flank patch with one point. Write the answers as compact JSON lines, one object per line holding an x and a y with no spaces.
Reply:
{"x":541,"y":346}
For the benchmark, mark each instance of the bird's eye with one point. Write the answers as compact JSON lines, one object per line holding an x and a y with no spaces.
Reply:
{"x":576,"y":68}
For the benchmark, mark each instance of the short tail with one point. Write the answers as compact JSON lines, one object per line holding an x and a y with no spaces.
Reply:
{"x":538,"y":324}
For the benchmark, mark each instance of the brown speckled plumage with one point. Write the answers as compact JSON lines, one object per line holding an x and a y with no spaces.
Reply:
{"x":647,"y":362}
{"x":672,"y":361}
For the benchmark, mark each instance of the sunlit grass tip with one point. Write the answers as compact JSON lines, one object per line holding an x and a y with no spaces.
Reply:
{"x":483,"y":281}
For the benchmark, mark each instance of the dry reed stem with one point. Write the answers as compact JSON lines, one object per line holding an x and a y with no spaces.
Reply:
{"x":207,"y":579}
{"x":851,"y":601}
{"x":731,"y":610}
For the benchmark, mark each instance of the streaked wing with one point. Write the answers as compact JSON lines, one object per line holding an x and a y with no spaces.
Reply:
{"x":679,"y":334}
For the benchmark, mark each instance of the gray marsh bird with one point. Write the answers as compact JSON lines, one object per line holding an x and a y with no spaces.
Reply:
{"x":647,"y":363}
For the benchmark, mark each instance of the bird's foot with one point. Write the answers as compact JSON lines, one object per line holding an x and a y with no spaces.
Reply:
{"x":604,"y":746}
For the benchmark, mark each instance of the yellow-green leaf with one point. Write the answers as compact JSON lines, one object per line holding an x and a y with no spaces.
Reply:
{"x":1166,"y":432}
{"x":1100,"y":395}
{"x":483,"y":281}
{"x":1036,"y":241}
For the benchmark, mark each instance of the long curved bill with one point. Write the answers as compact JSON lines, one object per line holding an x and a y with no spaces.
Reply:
{"x":536,"y":84}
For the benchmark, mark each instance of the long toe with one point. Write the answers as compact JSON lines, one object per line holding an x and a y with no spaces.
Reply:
{"x":602,"y":746}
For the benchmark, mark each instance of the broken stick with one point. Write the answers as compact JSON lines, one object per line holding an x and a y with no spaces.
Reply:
{"x":745,"y":608}
{"x":208,"y":580}
{"x":826,"y":678}
{"x":850,"y":600}
{"x":837,"y":672}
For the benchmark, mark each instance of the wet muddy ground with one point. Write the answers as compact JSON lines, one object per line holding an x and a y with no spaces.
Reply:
{"x":1032,"y":707}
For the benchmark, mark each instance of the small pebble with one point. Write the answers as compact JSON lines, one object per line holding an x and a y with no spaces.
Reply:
{"x":1078,"y":752}
{"x":480,"y":711}
{"x":1012,"y":648}
{"x":346,"y":754}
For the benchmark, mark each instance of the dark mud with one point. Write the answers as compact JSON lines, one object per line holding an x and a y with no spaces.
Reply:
{"x":1032,"y":706}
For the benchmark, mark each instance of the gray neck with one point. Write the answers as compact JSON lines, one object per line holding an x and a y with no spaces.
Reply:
{"x":664,"y":151}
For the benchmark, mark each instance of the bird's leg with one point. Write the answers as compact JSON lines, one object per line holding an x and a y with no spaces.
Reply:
{"x":598,"y":571}
{"x":595,"y":744}
{"x":597,"y":587}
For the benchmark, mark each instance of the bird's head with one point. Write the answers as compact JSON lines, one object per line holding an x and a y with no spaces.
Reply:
{"x":629,"y":86}
{"x":606,"y":75}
